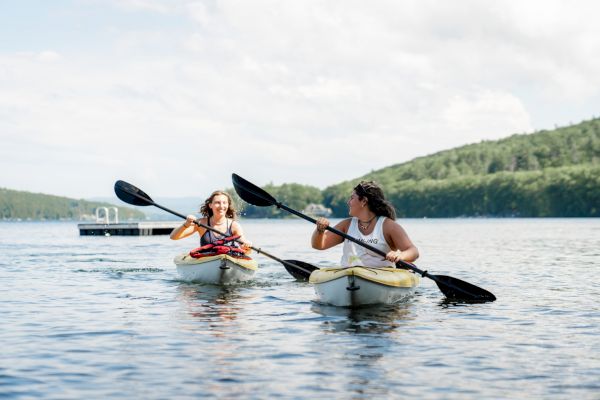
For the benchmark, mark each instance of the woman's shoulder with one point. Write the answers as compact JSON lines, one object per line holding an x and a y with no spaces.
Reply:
{"x":345,"y":223}
{"x":391,"y":226}
{"x":388,"y":222}
{"x":235,"y":224}
{"x":203,"y":220}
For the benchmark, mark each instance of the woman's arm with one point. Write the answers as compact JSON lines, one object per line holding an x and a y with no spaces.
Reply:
{"x":322,"y":239}
{"x":237,"y":230}
{"x":403,"y":248}
{"x":186,"y":229}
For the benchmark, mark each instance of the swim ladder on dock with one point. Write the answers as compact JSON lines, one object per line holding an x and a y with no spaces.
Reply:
{"x":104,"y":227}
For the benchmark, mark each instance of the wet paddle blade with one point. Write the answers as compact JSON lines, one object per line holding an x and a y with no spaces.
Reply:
{"x":131,"y":194}
{"x":299,"y":269}
{"x":456,"y":289}
{"x":251,"y":193}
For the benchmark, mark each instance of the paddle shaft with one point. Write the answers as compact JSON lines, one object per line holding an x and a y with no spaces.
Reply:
{"x":365,"y":245}
{"x":210,"y":228}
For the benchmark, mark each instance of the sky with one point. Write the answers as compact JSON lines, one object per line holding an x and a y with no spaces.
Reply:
{"x":175,"y":95}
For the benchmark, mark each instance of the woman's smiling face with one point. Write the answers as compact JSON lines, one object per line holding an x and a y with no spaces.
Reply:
{"x":219,"y":204}
{"x":355,"y":204}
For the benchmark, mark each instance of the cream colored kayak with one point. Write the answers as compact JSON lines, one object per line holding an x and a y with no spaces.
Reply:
{"x":358,"y":286}
{"x":220,"y":269}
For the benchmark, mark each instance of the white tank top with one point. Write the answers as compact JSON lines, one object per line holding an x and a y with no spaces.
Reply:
{"x":356,"y":255}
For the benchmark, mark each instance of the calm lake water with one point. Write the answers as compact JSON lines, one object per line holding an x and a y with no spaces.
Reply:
{"x":106,"y":317}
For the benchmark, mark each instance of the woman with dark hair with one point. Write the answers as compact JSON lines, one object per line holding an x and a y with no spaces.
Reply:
{"x":373,"y":221}
{"x":219,"y":213}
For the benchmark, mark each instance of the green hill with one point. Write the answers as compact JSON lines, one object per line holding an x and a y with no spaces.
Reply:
{"x":16,"y":205}
{"x":545,"y":174}
{"x":293,"y":195}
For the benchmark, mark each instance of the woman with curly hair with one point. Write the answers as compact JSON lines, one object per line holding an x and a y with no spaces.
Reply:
{"x":219,"y":213}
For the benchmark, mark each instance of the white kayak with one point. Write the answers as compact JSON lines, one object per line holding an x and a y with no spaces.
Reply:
{"x":359,"y":286}
{"x":219,"y":269}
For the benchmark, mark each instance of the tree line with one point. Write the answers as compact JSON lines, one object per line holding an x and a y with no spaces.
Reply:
{"x":15,"y":205}
{"x":544,"y":174}
{"x":293,"y":195}
{"x":552,"y":192}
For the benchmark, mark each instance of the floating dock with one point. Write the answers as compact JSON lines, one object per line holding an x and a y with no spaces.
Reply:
{"x":142,"y":228}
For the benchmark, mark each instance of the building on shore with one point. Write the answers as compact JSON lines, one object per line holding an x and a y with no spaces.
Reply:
{"x":317,"y":210}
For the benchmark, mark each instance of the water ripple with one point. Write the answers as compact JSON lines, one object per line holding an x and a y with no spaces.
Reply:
{"x":108,"y":318}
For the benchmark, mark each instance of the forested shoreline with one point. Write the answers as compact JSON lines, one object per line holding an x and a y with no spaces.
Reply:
{"x":544,"y":174}
{"x":20,"y":205}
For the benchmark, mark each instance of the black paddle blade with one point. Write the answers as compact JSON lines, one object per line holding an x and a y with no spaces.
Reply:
{"x":299,"y":269}
{"x":251,"y":193}
{"x":131,"y":194}
{"x":456,"y":289}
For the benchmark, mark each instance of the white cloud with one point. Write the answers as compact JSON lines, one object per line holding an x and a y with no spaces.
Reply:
{"x":311,"y":92}
{"x":49,"y":56}
{"x":469,"y":118}
{"x":159,"y":6}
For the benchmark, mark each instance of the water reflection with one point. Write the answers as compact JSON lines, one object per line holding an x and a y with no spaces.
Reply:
{"x":450,"y":303}
{"x":362,"y":341}
{"x":373,"y":319}
{"x":211,"y":313}
{"x":210,"y":303}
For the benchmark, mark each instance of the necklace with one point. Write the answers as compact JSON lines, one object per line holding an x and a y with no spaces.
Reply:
{"x":210,"y":233}
{"x":219,"y":223}
{"x":365,"y":225}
